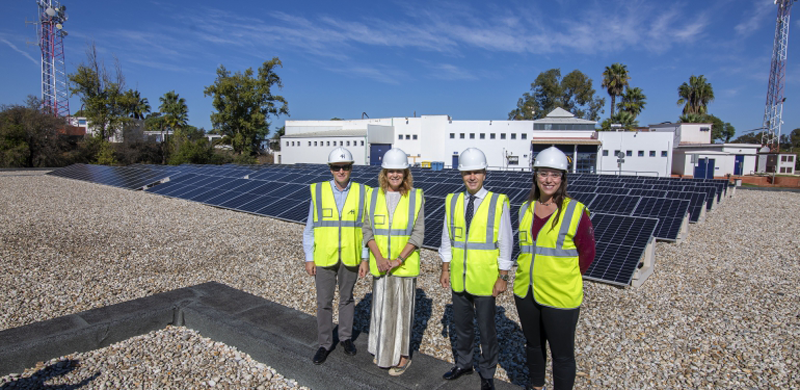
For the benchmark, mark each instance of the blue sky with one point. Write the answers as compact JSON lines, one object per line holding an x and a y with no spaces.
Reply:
{"x":470,"y":60}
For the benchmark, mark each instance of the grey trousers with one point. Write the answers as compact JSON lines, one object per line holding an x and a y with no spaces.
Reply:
{"x":326,"y":285}
{"x":465,"y":306}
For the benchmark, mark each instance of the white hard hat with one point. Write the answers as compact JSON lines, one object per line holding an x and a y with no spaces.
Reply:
{"x":472,"y":159}
{"x":395,"y":159}
{"x":340,"y":155}
{"x":553,"y":158}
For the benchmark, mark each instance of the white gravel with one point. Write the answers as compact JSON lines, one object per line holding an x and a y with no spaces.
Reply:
{"x":720,"y":312}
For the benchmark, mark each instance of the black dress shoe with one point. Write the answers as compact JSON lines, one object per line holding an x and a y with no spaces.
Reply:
{"x":321,"y":355}
{"x":348,"y":347}
{"x":456,"y":372}
{"x":487,"y":384}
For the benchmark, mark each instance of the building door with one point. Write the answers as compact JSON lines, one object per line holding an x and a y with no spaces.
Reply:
{"x":376,"y":152}
{"x":704,"y":168}
{"x":738,"y":166}
{"x":455,"y":161}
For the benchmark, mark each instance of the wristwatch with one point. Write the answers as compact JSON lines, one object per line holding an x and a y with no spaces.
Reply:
{"x":505,"y":277}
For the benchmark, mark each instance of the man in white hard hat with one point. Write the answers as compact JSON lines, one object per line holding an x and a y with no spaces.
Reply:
{"x":332,"y":241}
{"x":476,"y":257}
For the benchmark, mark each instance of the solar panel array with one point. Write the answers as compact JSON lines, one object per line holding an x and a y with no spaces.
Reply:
{"x":628,"y":212}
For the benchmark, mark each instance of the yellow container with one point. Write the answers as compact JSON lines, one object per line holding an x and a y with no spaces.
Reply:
{"x":426,"y":164}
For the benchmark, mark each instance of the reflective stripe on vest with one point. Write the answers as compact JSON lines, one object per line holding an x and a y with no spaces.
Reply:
{"x":391,"y":241}
{"x":549,"y":264}
{"x":474,"y":267}
{"x":337,"y":237}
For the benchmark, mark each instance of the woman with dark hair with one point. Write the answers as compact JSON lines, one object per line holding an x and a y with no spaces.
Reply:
{"x":556,"y":247}
{"x":393,"y":232}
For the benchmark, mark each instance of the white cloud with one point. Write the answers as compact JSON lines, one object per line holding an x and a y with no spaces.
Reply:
{"x":756,"y":19}
{"x":28,"y":56}
{"x":449,"y":72}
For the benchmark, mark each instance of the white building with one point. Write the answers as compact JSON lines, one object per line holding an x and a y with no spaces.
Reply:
{"x":662,"y":151}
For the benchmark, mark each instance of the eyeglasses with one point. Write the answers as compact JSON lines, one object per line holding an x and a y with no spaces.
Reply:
{"x":552,"y":175}
{"x":337,"y":168}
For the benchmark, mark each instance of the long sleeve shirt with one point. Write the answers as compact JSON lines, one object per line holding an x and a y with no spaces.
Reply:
{"x":584,"y":239}
{"x":505,"y":239}
{"x":308,"y":233}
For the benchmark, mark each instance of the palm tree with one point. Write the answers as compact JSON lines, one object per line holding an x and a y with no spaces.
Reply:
{"x":695,"y":95}
{"x":134,"y":105}
{"x":692,"y":118}
{"x":174,"y":110}
{"x":615,"y":79}
{"x":633,"y":101}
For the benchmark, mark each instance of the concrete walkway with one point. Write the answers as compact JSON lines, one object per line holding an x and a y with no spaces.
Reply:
{"x":280,"y":337}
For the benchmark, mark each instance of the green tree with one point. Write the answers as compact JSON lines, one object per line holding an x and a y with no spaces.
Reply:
{"x":615,"y":79}
{"x":101,"y":94}
{"x":29,"y":136}
{"x":573,"y":93}
{"x":720,"y":130}
{"x":695,"y":95}
{"x":692,"y":118}
{"x":633,"y":101}
{"x":134,"y":105}
{"x":623,"y":118}
{"x":244,"y":102}
{"x":749,"y":138}
{"x":275,"y":143}
{"x":174,"y":110}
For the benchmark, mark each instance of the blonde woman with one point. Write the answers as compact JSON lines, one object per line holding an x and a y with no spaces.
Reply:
{"x":393,"y":232}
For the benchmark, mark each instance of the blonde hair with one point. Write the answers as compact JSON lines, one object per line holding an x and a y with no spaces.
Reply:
{"x":405,"y":186}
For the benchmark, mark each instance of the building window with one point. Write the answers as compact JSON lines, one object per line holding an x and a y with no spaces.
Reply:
{"x":414,"y":136}
{"x":705,"y":129}
{"x":461,"y":135}
{"x":399,"y":136}
{"x":616,"y":153}
{"x":287,"y":143}
{"x":472,"y":136}
{"x":327,"y":143}
{"x":605,"y":152}
{"x":362,"y":143}
{"x":309,"y":143}
{"x":483,"y":135}
{"x":513,"y":135}
{"x":641,"y":153}
{"x":491,"y":136}
{"x":524,"y":136}
{"x":452,"y":135}
{"x":629,"y":153}
{"x":341,"y":143}
{"x":348,"y":143}
{"x":408,"y":136}
{"x":652,"y":153}
{"x":791,"y":158}
{"x":502,"y":135}
{"x":663,"y":153}
{"x":783,"y":169}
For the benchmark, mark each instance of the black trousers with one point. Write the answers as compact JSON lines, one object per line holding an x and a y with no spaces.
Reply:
{"x":542,"y":324}
{"x":465,"y":306}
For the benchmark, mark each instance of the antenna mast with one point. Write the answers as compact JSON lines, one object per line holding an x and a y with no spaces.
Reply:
{"x":50,"y":32}
{"x":773,"y":112}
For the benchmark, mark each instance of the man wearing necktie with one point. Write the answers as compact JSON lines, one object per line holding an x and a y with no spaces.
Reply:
{"x":476,"y":257}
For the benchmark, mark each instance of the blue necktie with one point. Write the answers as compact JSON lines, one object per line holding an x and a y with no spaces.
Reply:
{"x":470,"y":210}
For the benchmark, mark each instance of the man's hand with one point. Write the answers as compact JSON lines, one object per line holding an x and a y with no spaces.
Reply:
{"x":363,"y":269}
{"x":311,"y":268}
{"x":499,"y":287}
{"x":444,"y":278}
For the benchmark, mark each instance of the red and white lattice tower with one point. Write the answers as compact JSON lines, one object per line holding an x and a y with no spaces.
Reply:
{"x":50,"y":31}
{"x":773,"y":112}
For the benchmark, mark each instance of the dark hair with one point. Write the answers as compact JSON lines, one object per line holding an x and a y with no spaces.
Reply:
{"x":558,"y":197}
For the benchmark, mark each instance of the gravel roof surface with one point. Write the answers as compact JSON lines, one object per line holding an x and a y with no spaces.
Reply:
{"x":721,"y":310}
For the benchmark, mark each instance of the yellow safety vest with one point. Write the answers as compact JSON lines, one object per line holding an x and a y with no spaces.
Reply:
{"x":551,"y":257}
{"x":474,"y":267}
{"x":338,"y":237}
{"x":392,"y":239}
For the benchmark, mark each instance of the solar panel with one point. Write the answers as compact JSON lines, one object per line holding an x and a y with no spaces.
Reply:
{"x":617,"y":204}
{"x":621,"y":242}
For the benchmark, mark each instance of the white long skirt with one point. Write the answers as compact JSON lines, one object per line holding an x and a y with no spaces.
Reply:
{"x":392,"y":319}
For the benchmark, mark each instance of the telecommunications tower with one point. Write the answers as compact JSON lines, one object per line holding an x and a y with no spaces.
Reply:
{"x":50,"y":32}
{"x":773,"y":112}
